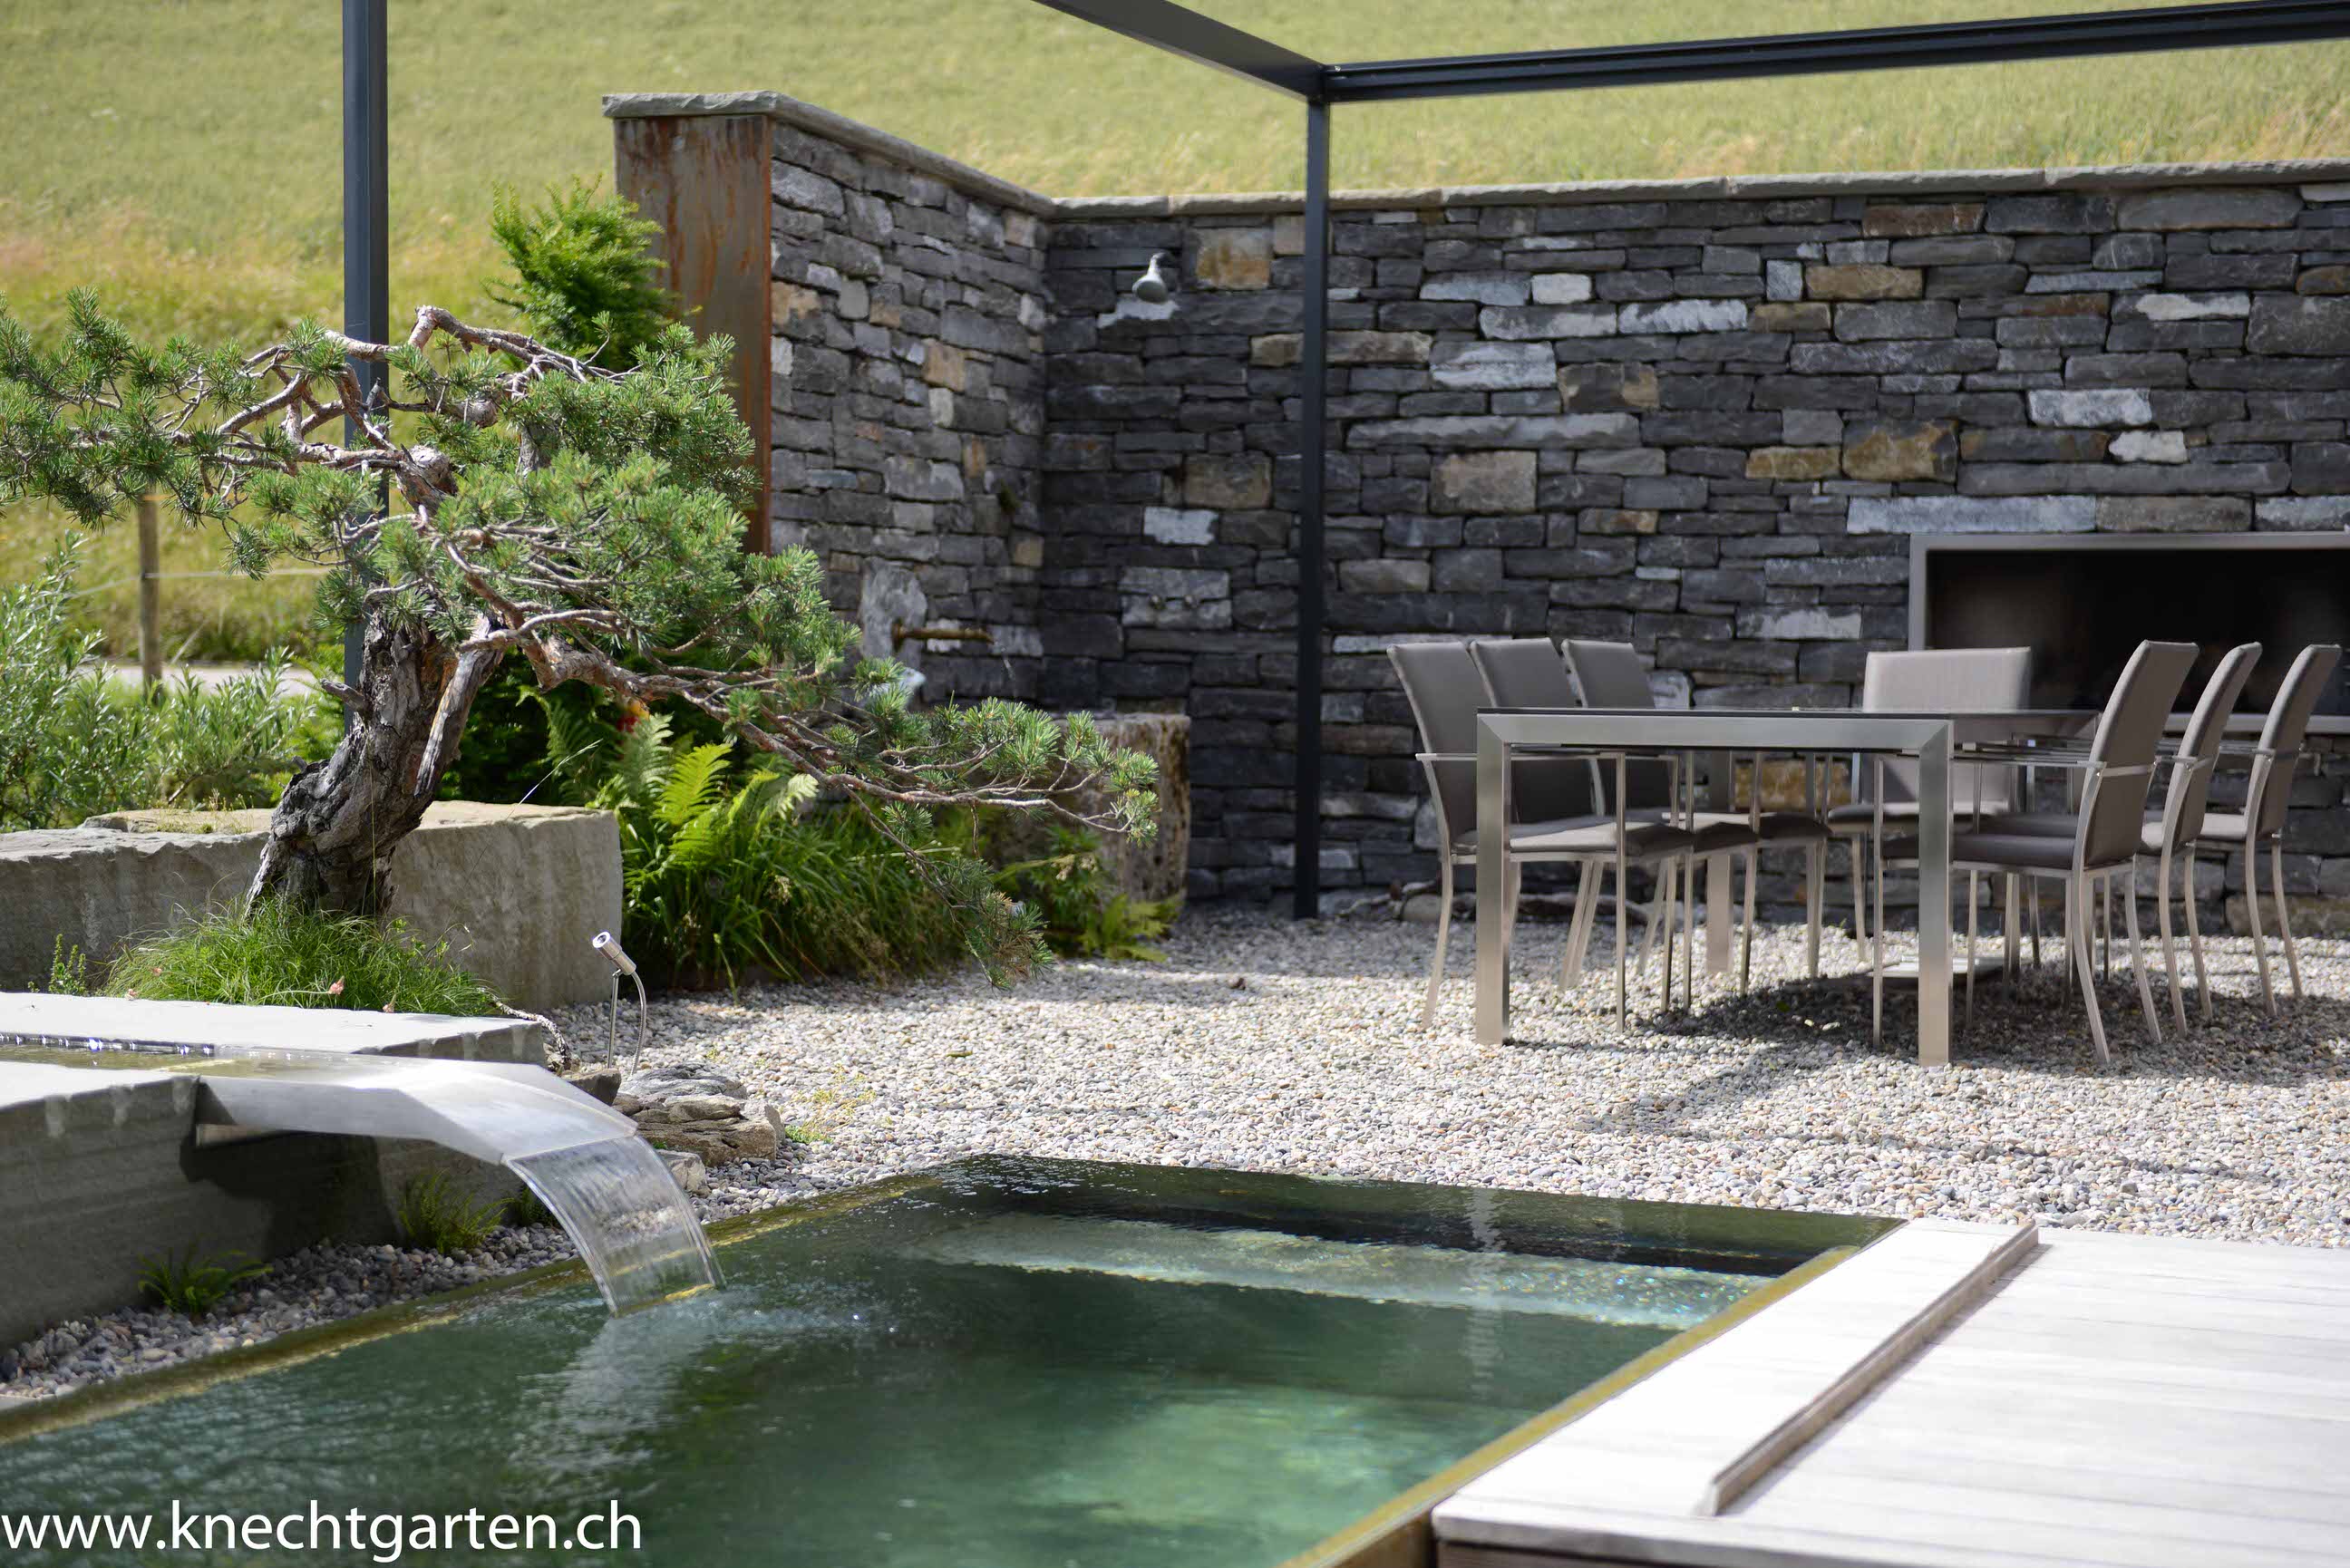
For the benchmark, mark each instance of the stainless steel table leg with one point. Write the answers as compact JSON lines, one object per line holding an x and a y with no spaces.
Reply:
{"x":1493,"y":876}
{"x":1717,"y":914}
{"x":1934,"y":903}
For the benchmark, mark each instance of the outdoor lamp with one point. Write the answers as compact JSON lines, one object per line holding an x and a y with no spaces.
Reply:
{"x":1154,"y":286}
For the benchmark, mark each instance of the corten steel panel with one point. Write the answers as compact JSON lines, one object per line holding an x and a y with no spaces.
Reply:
{"x":703,"y":179}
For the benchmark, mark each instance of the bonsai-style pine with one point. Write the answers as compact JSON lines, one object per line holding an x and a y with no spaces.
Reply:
{"x":506,"y":499}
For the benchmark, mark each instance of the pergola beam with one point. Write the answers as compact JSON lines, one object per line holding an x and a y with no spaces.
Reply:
{"x":1179,"y":31}
{"x":2230,"y":25}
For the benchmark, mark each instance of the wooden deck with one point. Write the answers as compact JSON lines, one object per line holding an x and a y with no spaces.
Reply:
{"x":2115,"y":1401}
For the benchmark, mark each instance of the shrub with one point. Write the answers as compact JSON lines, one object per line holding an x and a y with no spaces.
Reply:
{"x":277,"y":954}
{"x":73,"y":743}
{"x":191,"y":1286}
{"x":731,"y":870}
{"x":583,"y":276}
{"x":435,"y":1214}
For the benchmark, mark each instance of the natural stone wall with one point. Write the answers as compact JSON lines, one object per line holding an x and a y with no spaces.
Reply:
{"x":908,"y":315}
{"x":1705,"y":424}
{"x":1701,"y":416}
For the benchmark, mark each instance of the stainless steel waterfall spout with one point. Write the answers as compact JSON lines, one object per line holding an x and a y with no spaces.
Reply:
{"x":622,"y":964}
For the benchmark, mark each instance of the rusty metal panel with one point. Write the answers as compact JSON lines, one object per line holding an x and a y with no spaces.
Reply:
{"x":703,"y":179}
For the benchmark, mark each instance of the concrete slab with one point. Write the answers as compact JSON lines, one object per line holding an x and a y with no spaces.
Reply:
{"x":100,"y":1165}
{"x":516,"y":891}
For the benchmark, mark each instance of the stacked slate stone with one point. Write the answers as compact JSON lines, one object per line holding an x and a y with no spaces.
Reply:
{"x":908,"y":319}
{"x":1706,"y":426}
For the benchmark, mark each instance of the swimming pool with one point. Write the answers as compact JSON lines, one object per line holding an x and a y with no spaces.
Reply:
{"x":997,"y":1364}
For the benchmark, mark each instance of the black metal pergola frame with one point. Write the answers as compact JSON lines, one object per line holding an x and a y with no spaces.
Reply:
{"x":1321,"y":84}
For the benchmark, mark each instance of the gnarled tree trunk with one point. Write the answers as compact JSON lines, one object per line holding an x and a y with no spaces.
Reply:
{"x":333,"y":832}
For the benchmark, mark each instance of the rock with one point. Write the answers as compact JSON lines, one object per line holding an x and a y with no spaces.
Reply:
{"x":2173,"y":513}
{"x":1891,"y":450}
{"x":1685,"y":316}
{"x":1797,"y":463}
{"x":1238,"y":481}
{"x":1863,"y":280}
{"x":2209,"y":207}
{"x":1561,"y":287}
{"x":2321,"y":467}
{"x":1973,"y":514}
{"x":2301,"y":324}
{"x":1493,"y":367}
{"x":685,"y":1168}
{"x":2117,"y":406}
{"x":1234,"y":258}
{"x":1483,"y":481}
{"x":2149,"y":446}
{"x":681,"y":1078}
{"x":1911,"y":221}
{"x":601,"y":1082}
{"x":1278,"y":349}
{"x":2324,"y":280}
{"x":1608,"y":387}
{"x":1791,"y":316}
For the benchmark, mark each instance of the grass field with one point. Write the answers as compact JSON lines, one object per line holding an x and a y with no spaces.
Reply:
{"x":183,"y":155}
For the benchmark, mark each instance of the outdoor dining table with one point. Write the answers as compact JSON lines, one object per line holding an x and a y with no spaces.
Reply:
{"x":1929,"y":738}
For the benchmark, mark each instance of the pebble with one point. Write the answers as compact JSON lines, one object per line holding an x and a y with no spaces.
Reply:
{"x":1265,"y":1044}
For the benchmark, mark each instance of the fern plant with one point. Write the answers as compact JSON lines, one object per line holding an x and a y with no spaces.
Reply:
{"x":434,"y":1213}
{"x":190,"y":1285}
{"x":733,"y":873}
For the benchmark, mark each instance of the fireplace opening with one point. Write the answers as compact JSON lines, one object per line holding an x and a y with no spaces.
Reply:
{"x":2082,"y":602}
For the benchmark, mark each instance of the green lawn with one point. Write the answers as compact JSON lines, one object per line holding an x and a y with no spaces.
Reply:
{"x":183,"y":155}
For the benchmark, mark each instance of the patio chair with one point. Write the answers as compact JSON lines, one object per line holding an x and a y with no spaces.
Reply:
{"x":1938,"y":681}
{"x":1442,"y":681}
{"x":2171,"y":837}
{"x":2266,"y":797}
{"x":2109,"y":829}
{"x":1610,"y":675}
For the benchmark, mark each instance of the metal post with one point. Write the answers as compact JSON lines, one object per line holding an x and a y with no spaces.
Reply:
{"x":1313,"y":371}
{"x":366,"y":218}
{"x":151,"y":595}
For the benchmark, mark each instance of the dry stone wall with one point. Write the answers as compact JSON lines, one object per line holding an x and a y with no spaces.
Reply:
{"x":908,"y":314}
{"x":1704,"y":425}
{"x":1704,"y":417}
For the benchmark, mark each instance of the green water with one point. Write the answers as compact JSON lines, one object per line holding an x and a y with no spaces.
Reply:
{"x":1020,"y":1365}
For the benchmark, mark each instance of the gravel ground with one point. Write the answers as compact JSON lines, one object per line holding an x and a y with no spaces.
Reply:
{"x":1267,"y":1044}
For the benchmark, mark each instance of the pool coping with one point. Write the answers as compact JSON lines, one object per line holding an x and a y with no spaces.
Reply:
{"x":1397,"y":1534}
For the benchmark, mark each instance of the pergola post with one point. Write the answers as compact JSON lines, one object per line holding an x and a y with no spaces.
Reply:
{"x":367,"y":222}
{"x":1313,"y":372}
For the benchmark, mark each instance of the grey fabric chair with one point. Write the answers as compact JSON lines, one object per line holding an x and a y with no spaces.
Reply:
{"x":2109,"y":828}
{"x":2170,"y":838}
{"x":1445,"y":689}
{"x":1610,"y":675}
{"x":2268,"y":795}
{"x":1938,"y":681}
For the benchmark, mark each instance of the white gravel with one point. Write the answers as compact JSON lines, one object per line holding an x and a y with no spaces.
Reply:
{"x":1264,"y":1044}
{"x":1268,"y":1044}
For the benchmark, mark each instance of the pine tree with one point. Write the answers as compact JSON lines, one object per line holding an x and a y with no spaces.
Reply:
{"x":585,"y":519}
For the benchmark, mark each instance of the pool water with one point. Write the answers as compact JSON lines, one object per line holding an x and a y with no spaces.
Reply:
{"x":1008,"y":1364}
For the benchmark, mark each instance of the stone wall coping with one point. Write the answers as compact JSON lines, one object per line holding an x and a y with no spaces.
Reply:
{"x":839,"y":128}
{"x":1946,"y":183}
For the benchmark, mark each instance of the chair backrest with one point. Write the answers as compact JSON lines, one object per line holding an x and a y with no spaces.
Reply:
{"x":1442,"y":682}
{"x":1527,"y":673}
{"x":1950,"y":681}
{"x":2198,"y":748}
{"x":1610,"y":675}
{"x":2129,"y":731}
{"x":2288,"y":723}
